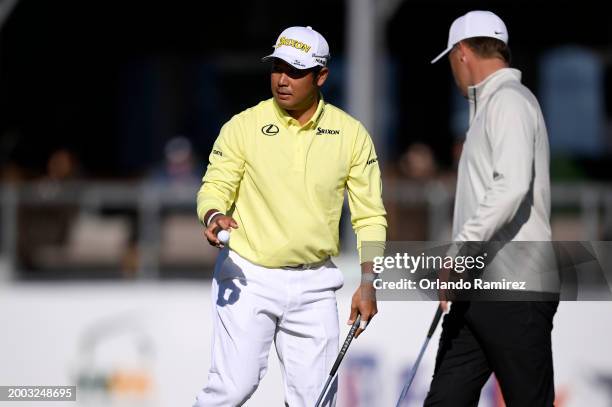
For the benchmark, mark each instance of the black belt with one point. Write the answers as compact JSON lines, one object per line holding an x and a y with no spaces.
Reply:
{"x":307,"y":266}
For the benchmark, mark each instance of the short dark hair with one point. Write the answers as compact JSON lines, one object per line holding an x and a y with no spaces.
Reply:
{"x":316,"y":69}
{"x":487,"y":47}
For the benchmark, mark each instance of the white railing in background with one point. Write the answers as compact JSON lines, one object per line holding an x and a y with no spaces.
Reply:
{"x":591,"y":205}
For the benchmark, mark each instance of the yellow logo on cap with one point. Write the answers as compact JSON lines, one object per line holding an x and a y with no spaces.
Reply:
{"x":293,"y":43}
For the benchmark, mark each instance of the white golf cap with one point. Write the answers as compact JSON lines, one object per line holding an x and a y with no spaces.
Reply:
{"x":301,"y":47}
{"x":475,"y":24}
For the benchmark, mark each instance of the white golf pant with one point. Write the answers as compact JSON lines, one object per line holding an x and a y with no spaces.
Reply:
{"x":253,"y":305}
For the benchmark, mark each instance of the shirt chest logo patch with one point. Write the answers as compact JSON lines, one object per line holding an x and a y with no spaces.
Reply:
{"x":327,"y":131}
{"x":270,"y":130}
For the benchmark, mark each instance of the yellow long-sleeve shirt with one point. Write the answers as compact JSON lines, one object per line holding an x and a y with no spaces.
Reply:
{"x":284,"y":184}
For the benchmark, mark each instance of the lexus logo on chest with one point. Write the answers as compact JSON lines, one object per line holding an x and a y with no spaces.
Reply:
{"x":270,"y":130}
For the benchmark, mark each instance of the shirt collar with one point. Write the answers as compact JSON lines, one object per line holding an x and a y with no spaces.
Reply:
{"x":287,"y":120}
{"x":492,"y":82}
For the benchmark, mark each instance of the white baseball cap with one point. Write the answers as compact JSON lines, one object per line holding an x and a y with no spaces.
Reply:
{"x":301,"y":47}
{"x":475,"y":24}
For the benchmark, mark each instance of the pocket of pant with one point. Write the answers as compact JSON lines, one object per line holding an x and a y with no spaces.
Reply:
{"x":503,"y":323}
{"x":229,"y":271}
{"x":543,"y":312}
{"x":231,"y":282}
{"x":339,"y":279}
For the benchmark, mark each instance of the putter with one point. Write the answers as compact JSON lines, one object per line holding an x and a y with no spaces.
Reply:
{"x":343,"y":350}
{"x":413,"y":371}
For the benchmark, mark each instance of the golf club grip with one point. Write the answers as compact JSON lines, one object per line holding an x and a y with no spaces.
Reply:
{"x":435,"y":322}
{"x":346,"y":344}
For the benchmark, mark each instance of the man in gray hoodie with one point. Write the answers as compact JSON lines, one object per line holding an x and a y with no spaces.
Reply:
{"x":503,"y":195}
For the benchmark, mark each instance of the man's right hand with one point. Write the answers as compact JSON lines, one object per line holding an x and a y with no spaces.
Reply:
{"x":218,"y":223}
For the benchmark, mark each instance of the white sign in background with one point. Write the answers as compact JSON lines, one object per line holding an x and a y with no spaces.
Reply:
{"x":148,"y":345}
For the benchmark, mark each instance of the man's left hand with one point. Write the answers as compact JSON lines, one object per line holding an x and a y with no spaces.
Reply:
{"x":364,"y":300}
{"x":364,"y":304}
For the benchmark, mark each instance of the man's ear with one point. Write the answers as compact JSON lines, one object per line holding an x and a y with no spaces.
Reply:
{"x":463,"y":51}
{"x":322,"y":76}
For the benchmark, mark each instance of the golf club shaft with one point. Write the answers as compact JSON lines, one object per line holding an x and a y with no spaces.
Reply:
{"x":413,"y":371}
{"x":343,"y":350}
{"x":416,"y":364}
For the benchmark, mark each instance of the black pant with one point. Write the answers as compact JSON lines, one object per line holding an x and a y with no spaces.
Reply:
{"x":510,"y":339}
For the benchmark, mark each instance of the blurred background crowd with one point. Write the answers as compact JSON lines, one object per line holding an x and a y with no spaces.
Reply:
{"x":108,"y":111}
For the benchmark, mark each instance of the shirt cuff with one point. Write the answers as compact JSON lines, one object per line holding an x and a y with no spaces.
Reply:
{"x":371,"y":242}
{"x":207,"y":204}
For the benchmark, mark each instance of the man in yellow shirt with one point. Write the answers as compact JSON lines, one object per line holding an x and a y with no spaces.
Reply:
{"x":276,"y":179}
